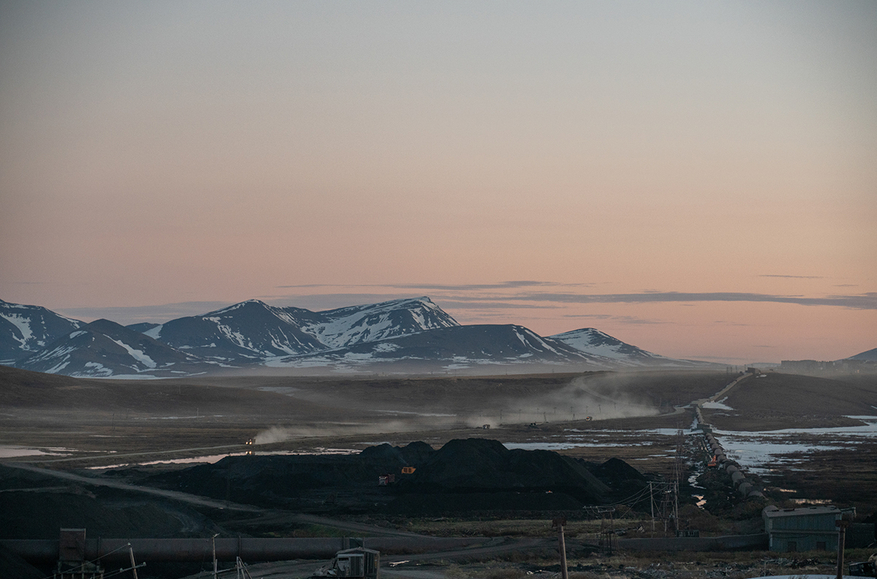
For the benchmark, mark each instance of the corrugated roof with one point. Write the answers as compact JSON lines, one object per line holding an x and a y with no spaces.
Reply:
{"x":801,"y":511}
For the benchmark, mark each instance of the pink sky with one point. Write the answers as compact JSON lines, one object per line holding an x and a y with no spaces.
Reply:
{"x":698,"y":179}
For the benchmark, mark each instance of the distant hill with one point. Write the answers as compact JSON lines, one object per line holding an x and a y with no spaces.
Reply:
{"x":28,"y":329}
{"x":405,"y":335}
{"x":869,"y":356}
{"x":103,"y":349}
{"x":596,"y":343}
{"x":457,"y":348}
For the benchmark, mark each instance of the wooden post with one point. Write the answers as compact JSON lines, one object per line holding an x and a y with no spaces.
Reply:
{"x":133,"y":564}
{"x":559,"y":523}
{"x":841,"y":540}
{"x":214,"y":556}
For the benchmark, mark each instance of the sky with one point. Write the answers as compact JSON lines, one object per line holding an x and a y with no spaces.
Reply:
{"x":695,"y":178}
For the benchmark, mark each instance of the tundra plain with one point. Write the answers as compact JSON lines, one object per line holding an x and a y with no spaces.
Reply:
{"x":801,"y":439}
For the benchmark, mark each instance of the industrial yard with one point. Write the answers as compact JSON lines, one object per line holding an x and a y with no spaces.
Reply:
{"x":491,"y":462}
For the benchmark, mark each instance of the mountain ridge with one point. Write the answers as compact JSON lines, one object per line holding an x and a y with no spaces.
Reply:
{"x":409,"y":334}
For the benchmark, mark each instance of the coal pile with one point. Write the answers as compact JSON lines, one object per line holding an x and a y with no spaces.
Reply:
{"x":307,"y":482}
{"x":463,"y":476}
{"x":479,"y":474}
{"x":479,"y":465}
{"x":623,"y":479}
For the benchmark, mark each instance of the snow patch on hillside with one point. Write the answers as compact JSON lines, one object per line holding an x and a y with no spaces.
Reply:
{"x":155,"y":332}
{"x":22,"y":323}
{"x":138,"y":355}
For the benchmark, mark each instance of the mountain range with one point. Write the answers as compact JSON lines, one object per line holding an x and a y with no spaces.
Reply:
{"x":406,"y":335}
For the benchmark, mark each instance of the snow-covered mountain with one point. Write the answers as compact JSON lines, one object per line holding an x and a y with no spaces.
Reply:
{"x":28,"y":329}
{"x":243,"y":333}
{"x":253,"y":331}
{"x":370,"y":323}
{"x":453,"y":348}
{"x":399,"y":335}
{"x":619,"y":354}
{"x":597,"y":343}
{"x":103,"y":348}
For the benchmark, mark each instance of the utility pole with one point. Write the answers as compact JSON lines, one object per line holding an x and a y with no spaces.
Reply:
{"x":214,"y":556}
{"x":133,"y":564}
{"x":841,"y":541}
{"x":559,"y":523}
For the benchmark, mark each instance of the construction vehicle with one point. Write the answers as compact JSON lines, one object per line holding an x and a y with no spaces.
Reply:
{"x":359,"y":563}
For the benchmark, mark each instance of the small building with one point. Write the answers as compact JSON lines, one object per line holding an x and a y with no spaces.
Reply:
{"x":802,"y":529}
{"x":359,"y":563}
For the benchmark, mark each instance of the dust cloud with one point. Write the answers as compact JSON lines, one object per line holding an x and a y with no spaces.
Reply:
{"x":277,"y":434}
{"x":585,"y":397}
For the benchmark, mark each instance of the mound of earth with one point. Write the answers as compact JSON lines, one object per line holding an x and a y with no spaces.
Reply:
{"x":623,"y":479}
{"x":483,"y":475}
{"x":480,"y":465}
{"x":411,"y":455}
{"x":295,"y":481}
{"x":464,"y":475}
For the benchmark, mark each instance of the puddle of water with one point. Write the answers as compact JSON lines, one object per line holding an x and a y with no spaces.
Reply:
{"x":7,"y":451}
{"x":758,"y":451}
{"x":212,"y":458}
{"x":560,"y":445}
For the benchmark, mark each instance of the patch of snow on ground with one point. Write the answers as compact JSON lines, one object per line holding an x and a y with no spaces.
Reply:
{"x":213,"y":458}
{"x":8,"y":451}
{"x":757,"y":451}
{"x":354,"y":357}
{"x":413,"y":413}
{"x":718,"y":405}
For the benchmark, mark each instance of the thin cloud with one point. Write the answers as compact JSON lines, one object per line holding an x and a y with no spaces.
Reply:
{"x":331,"y":301}
{"x":792,"y":276}
{"x":866,"y":301}
{"x":504,"y":285}
{"x":515,"y":284}
{"x":474,"y":296}
{"x":633,"y":320}
{"x":488,"y":303}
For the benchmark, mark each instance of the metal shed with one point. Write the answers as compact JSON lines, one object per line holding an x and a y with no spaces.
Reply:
{"x":802,"y":529}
